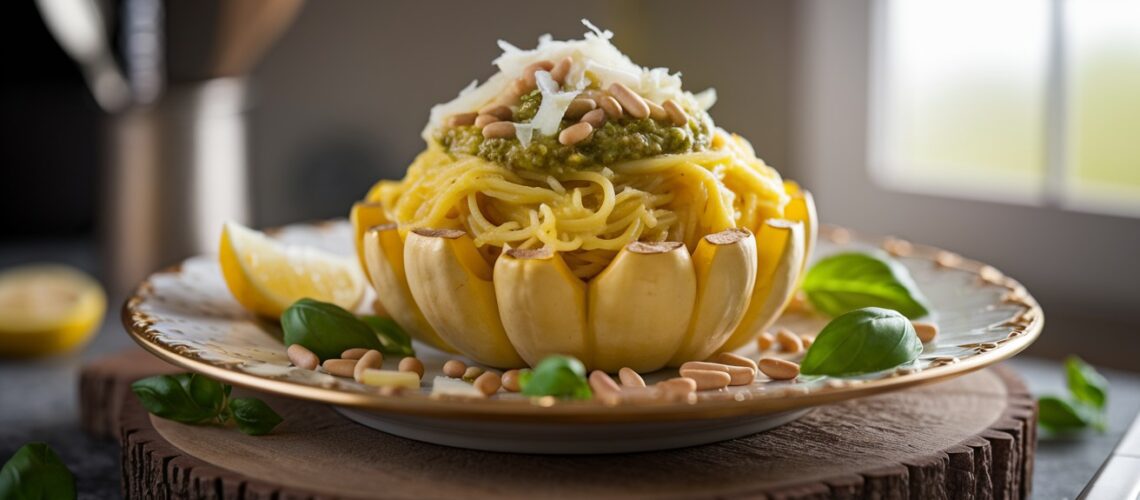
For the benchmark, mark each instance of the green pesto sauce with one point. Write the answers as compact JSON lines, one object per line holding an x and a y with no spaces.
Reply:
{"x":617,"y":141}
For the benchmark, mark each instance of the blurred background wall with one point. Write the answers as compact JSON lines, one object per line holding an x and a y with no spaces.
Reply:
{"x":339,"y":99}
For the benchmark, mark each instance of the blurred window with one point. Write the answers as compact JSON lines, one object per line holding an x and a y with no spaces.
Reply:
{"x":1032,"y":101}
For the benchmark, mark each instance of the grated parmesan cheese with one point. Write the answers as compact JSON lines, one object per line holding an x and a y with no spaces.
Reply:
{"x":594,"y":58}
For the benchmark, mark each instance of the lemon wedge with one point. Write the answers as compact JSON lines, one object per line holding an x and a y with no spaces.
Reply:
{"x":47,"y":309}
{"x":267,"y":276}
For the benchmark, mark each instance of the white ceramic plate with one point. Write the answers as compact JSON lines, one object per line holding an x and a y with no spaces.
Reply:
{"x":186,"y":316}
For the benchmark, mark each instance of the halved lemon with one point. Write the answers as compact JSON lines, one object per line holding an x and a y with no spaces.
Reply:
{"x":47,"y":308}
{"x":267,"y":276}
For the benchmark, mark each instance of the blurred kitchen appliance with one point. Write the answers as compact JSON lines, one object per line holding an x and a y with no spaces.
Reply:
{"x":173,"y":79}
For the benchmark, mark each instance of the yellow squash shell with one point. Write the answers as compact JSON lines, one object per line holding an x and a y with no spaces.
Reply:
{"x":655,"y":304}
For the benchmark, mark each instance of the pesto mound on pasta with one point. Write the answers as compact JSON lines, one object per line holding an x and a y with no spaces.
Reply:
{"x":574,"y":148}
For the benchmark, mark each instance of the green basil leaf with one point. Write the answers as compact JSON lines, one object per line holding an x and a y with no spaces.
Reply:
{"x":1086,"y":384}
{"x":253,"y":416}
{"x":166,"y":396}
{"x":326,"y":329}
{"x":394,"y":340}
{"x":558,"y":376}
{"x":207,"y":392}
{"x":1060,"y":415}
{"x":35,"y":472}
{"x":849,"y":281}
{"x":862,"y":341}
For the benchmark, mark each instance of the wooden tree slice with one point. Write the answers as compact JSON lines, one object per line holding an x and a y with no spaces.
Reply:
{"x":971,"y":437}
{"x":104,"y":384}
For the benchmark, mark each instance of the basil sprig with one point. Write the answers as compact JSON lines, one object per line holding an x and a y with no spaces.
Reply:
{"x":558,"y":376}
{"x":35,"y":472}
{"x":393,"y":340}
{"x":862,"y":341}
{"x":1085,"y":406}
{"x":849,"y":281}
{"x":328,"y":330}
{"x":195,"y":399}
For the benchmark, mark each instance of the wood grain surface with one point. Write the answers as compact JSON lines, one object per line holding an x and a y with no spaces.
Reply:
{"x":971,"y":437}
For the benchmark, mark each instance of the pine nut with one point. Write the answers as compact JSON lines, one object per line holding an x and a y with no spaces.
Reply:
{"x":630,"y":378}
{"x":675,"y":112}
{"x":681,"y":385}
{"x":611,"y":106}
{"x":595,"y":118}
{"x":497,"y":110}
{"x":454,"y":368}
{"x":579,"y":106}
{"x":530,"y":69}
{"x":301,"y":357}
{"x":728,"y":358}
{"x":522,"y":87}
{"x":484,"y":120}
{"x":739,"y":375}
{"x":488,"y":383}
{"x":575,"y":133}
{"x":630,"y":101}
{"x":511,"y":381}
{"x":806,"y":340}
{"x":371,"y":359}
{"x":340,"y":367}
{"x":656,"y":112}
{"x":499,"y":130}
{"x":472,"y":372}
{"x":708,"y":379}
{"x":603,"y":385}
{"x":765,"y":341}
{"x":412,"y":364}
{"x":926,"y":331}
{"x":354,"y":353}
{"x":562,"y":69}
{"x":789,"y":341}
{"x":461,"y":119}
{"x":779,"y":369}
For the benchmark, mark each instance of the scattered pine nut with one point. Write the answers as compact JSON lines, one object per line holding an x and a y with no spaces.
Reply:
{"x":412,"y":364}
{"x":611,"y":107}
{"x":779,"y":369}
{"x":497,"y":110}
{"x":530,"y":69}
{"x":340,"y":367}
{"x":301,"y":357}
{"x":656,"y":112}
{"x":472,"y":372}
{"x":454,"y":368}
{"x":499,"y":130}
{"x":675,"y":112}
{"x":765,"y":341}
{"x":708,"y":379}
{"x":575,"y":133}
{"x":729,"y":358}
{"x":630,"y":378}
{"x":738,"y":375}
{"x":371,"y":360}
{"x":683,"y":385}
{"x":603,"y":385}
{"x":511,"y":381}
{"x":579,"y":107}
{"x":461,"y":119}
{"x":926,"y":331}
{"x":631,"y":102}
{"x":947,"y":259}
{"x":789,"y":341}
{"x":561,"y":69}
{"x":488,"y":383}
{"x":807,"y":340}
{"x":354,"y":353}
{"x":484,"y":120}
{"x":595,"y":118}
